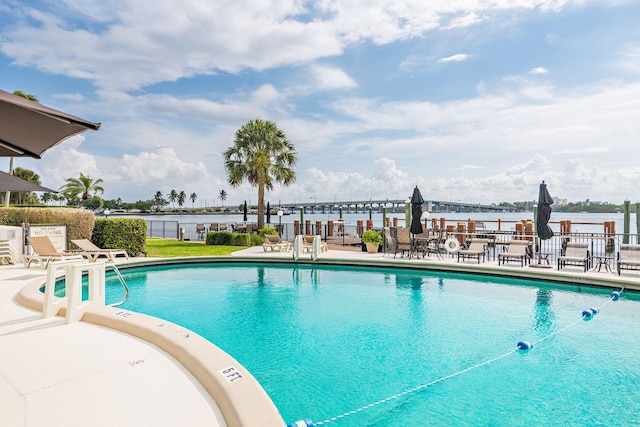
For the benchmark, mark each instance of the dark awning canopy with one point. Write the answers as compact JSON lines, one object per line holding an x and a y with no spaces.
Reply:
{"x":17,"y":185}
{"x":28,"y":129}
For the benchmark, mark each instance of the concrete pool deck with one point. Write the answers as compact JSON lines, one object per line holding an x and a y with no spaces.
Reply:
{"x":58,"y":374}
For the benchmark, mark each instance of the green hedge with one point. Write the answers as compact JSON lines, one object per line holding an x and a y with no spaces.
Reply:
{"x":121,"y":233}
{"x":79,"y":222}
{"x":226,"y":238}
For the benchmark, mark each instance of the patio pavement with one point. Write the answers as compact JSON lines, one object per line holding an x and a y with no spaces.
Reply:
{"x":79,"y":374}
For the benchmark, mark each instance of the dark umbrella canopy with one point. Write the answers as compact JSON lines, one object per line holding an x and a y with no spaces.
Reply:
{"x":544,"y":213}
{"x":268,"y":213}
{"x":28,"y":129}
{"x":17,"y":185}
{"x":416,"y":211}
{"x":244,"y":211}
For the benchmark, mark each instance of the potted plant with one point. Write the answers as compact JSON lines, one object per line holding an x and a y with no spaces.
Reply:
{"x":372,"y":239}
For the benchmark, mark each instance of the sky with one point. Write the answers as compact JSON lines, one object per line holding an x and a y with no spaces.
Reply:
{"x":470,"y":100}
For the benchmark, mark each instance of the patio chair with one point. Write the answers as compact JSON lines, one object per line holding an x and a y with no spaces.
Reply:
{"x":389,"y":241}
{"x":201,"y":230}
{"x":307,"y":244}
{"x":517,"y":252}
{"x":93,"y":252}
{"x":628,"y":257}
{"x":45,"y":252}
{"x":576,"y":254}
{"x":477,"y":248}
{"x":274,"y":243}
{"x":403,"y":241}
{"x":213,"y":226}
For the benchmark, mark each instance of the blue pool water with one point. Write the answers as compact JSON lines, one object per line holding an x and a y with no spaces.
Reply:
{"x":325,"y":340}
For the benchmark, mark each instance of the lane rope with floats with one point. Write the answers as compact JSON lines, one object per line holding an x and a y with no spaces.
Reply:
{"x":521,"y":347}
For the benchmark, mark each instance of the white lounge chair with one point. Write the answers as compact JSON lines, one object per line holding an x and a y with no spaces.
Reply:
{"x":93,"y":252}
{"x":575,"y":254}
{"x":45,"y":252}
{"x":628,"y":257}
{"x":307,"y":244}
{"x":517,"y":252}
{"x":274,"y":243}
{"x":477,"y":248}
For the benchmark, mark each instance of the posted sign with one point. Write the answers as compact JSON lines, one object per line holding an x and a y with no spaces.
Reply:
{"x":56,"y":233}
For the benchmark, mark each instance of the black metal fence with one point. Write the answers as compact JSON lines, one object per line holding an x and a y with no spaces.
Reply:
{"x":345,"y":233}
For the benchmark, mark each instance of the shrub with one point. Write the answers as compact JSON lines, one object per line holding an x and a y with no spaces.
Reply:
{"x":257,"y":239}
{"x":219,"y":238}
{"x":79,"y":222}
{"x":240,"y":239}
{"x":233,"y":239}
{"x":371,"y":236}
{"x":267,"y":230}
{"x":121,"y":233}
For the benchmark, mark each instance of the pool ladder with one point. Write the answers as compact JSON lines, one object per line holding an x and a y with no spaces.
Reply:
{"x":124,"y":285}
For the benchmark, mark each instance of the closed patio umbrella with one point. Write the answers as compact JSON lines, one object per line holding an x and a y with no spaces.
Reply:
{"x":28,"y":129}
{"x":544,"y":213}
{"x":542,"y":216}
{"x":244,"y":211}
{"x":268,"y":213}
{"x":416,"y":211}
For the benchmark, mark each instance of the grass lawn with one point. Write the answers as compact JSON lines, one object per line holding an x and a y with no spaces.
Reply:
{"x":165,"y":248}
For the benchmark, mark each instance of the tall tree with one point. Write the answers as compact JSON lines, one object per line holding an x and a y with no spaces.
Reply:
{"x":30,"y":97}
{"x":159,"y":201}
{"x":84,"y":186}
{"x":193,"y":197}
{"x":263,"y":155}
{"x":26,"y":175}
{"x":182,"y":197}
{"x":222,"y":196}
{"x":173,"y":196}
{"x":46,"y":198}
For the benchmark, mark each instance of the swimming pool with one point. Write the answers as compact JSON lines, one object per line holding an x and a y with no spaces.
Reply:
{"x":324,"y":341}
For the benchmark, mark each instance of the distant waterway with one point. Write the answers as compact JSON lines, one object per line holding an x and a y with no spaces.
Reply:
{"x":582,"y":222}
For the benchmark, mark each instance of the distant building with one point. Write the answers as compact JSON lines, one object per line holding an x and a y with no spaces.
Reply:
{"x":559,"y":202}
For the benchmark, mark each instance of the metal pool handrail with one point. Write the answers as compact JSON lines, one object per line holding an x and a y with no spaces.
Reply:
{"x":124,"y":285}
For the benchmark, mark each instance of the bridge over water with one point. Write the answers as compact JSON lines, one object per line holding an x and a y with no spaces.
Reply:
{"x":357,"y":206}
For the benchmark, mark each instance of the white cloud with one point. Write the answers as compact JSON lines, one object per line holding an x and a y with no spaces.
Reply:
{"x":330,"y":78}
{"x":539,"y":70}
{"x":459,"y":57}
{"x":67,"y":161}
{"x":130,"y":44}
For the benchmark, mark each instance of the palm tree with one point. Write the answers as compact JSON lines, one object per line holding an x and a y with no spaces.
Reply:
{"x":262,"y":155}
{"x":222,"y":197}
{"x":173,"y":196}
{"x":159,"y":201}
{"x":46,"y":198}
{"x":30,"y":98}
{"x":182,"y":197}
{"x":193,"y":197}
{"x":83,"y":186}
{"x":26,"y":175}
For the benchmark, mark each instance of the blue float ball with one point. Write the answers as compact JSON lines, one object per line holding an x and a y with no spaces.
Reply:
{"x":586,"y":315}
{"x":595,"y":311}
{"x":524,"y":346}
{"x":615,"y":296}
